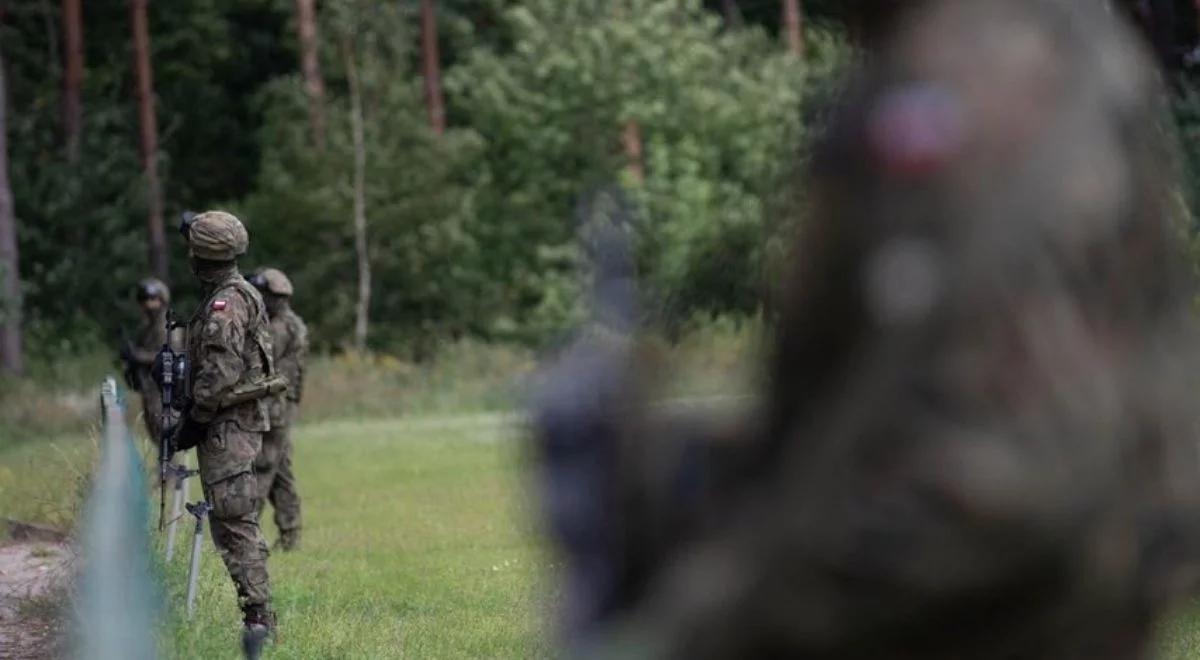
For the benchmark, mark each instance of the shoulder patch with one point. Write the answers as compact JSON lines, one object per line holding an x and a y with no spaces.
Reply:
{"x":219,"y":305}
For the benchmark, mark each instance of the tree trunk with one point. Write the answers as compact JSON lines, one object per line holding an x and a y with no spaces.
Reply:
{"x":730,"y":10}
{"x":360,"y":198}
{"x":631,"y":142}
{"x":310,"y":68}
{"x":11,"y":353}
{"x":433,"y":68}
{"x":157,"y":242}
{"x":793,"y":20}
{"x":72,"y":103}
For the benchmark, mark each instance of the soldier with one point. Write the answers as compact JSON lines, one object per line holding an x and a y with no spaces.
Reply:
{"x":153,"y":297}
{"x":232,"y":376}
{"x":273,"y":467}
{"x":977,"y":438}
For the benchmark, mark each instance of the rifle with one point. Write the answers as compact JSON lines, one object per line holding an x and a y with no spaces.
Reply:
{"x":170,"y":370}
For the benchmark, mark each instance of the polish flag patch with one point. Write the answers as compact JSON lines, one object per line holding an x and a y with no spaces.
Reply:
{"x":219,"y":305}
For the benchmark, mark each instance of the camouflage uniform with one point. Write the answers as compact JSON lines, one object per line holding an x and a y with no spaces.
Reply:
{"x":273,"y":467}
{"x":149,"y":341}
{"x":151,"y":335}
{"x":977,"y":438}
{"x":229,"y":345}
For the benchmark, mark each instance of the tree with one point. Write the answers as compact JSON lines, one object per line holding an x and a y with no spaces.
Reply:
{"x":310,"y":68}
{"x":700,"y":121}
{"x":72,"y":103}
{"x":418,"y":190}
{"x":631,"y":142}
{"x":157,"y":241}
{"x":362,"y":256}
{"x":11,"y":352}
{"x":432,"y":68}
{"x":730,"y":10}
{"x":793,"y":27}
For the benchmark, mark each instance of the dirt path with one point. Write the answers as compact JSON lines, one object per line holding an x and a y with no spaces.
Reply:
{"x":32,"y":573}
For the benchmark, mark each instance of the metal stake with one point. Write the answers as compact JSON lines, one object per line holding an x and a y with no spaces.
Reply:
{"x":200,"y":511}
{"x":181,"y":474}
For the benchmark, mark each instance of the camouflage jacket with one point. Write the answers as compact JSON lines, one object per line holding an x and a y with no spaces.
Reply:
{"x":289,"y":337}
{"x":229,"y":345}
{"x":151,"y":336}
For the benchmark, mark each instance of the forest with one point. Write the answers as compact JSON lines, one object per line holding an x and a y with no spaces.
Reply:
{"x":419,"y":168}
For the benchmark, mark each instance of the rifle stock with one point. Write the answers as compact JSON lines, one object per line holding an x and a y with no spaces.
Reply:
{"x":171,"y":372}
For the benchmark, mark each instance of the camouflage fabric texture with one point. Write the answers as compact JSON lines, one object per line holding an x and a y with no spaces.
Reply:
{"x":273,"y":466}
{"x":217,"y":236}
{"x":151,"y":335}
{"x":977,"y":435}
{"x":229,"y":344}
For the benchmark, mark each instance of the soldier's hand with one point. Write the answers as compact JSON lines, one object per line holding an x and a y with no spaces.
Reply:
{"x":190,"y":434}
{"x":127,"y":352}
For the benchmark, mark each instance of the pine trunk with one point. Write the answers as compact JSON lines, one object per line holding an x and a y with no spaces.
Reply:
{"x":157,"y":243}
{"x":72,"y":100}
{"x":310,"y":68}
{"x":360,"y":199}
{"x":631,"y":142}
{"x":730,"y":10}
{"x":793,"y":25}
{"x":432,"y":68}
{"x":11,"y":352}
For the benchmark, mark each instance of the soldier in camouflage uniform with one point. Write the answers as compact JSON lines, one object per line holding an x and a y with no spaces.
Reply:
{"x":273,"y":467}
{"x":229,"y":346}
{"x":977,"y":438}
{"x":153,"y":297}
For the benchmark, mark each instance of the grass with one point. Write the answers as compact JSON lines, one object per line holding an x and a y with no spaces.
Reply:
{"x":1179,"y":638}
{"x":417,"y":544}
{"x":45,"y":482}
{"x":419,"y":533}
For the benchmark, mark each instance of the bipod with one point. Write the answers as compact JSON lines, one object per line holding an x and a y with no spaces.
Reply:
{"x":180,"y":474}
{"x":200,"y":510}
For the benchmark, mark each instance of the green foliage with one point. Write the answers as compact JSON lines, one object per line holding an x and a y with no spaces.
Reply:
{"x":472,"y":234}
{"x":419,"y":197}
{"x":82,"y":226}
{"x":718,"y":112}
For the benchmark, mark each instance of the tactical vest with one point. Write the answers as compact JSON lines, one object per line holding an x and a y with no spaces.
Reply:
{"x":246,"y":401}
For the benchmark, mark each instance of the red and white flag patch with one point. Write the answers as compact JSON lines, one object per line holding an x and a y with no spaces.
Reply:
{"x":219,"y":305}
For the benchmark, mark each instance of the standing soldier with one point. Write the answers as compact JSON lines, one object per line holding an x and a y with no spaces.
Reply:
{"x":273,"y":467}
{"x":153,"y":297}
{"x":231,"y":378}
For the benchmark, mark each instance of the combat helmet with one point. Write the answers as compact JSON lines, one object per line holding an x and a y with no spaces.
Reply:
{"x":215,"y":235}
{"x":273,"y":281}
{"x":153,"y":288}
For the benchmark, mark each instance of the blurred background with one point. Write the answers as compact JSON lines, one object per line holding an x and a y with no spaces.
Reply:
{"x":448,"y":149}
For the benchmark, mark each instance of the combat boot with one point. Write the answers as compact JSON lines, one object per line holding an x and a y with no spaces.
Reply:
{"x":258,"y":627}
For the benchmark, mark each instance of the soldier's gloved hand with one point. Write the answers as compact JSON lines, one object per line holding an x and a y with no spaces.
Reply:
{"x":190,"y":434}
{"x":126,"y":352}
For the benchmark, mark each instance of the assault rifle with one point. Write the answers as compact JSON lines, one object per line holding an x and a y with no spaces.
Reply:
{"x":171,"y":374}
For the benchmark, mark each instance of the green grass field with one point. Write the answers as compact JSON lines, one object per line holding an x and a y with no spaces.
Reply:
{"x":417,"y":544}
{"x":420,"y":532}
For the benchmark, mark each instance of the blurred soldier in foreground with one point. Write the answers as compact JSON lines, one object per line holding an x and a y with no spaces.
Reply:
{"x":273,"y":467}
{"x":231,"y":380}
{"x":977,"y":438}
{"x":153,"y":298}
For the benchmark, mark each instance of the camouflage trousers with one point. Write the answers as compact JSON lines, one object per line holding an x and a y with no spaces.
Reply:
{"x":276,"y":482}
{"x":226,"y":472}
